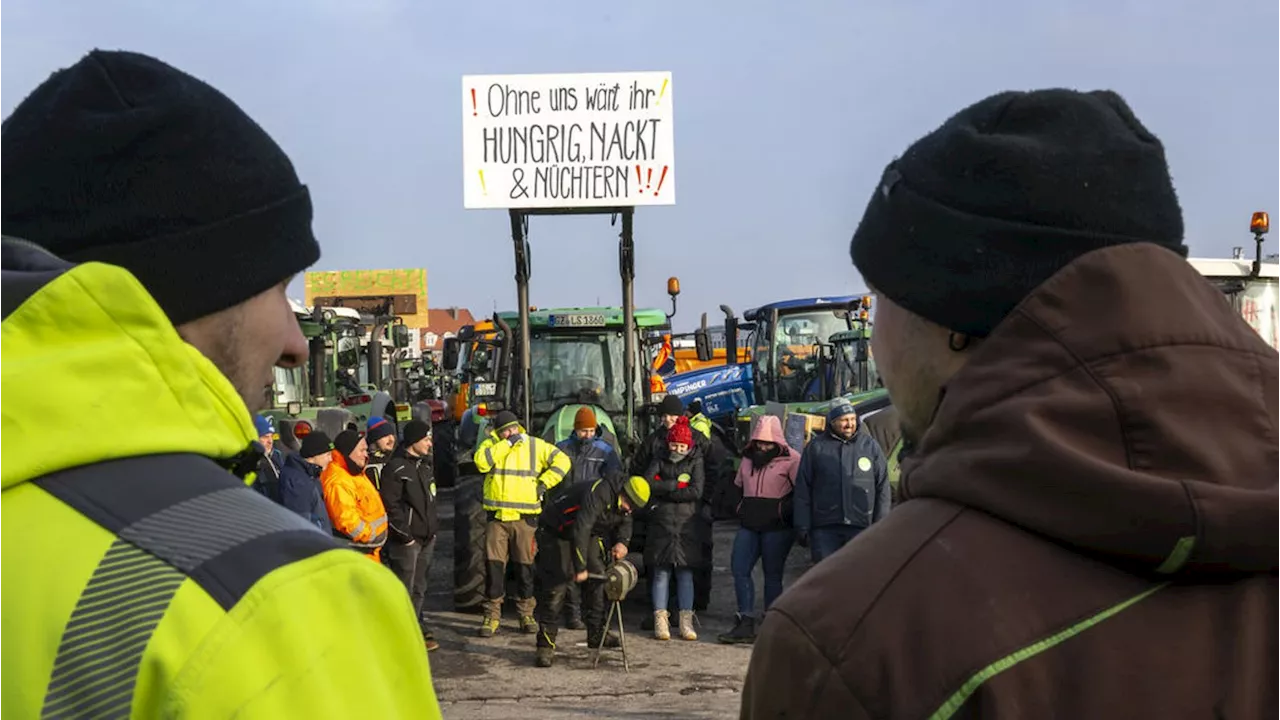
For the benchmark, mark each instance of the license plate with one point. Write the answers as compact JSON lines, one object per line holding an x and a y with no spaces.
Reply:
{"x":577,"y":320}
{"x":486,"y":389}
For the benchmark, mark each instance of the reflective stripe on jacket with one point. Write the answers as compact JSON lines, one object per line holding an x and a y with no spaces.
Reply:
{"x":517,"y":475}
{"x":354,"y":506}
{"x":248,"y":632}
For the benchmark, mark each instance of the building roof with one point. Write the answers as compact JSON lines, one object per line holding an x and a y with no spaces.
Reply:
{"x":442,"y":323}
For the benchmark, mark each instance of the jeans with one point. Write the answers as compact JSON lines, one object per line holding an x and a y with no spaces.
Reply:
{"x":749,"y":547}
{"x":662,"y":587}
{"x":824,"y":541}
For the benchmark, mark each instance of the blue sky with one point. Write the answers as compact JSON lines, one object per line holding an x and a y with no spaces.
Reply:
{"x":786,"y":114}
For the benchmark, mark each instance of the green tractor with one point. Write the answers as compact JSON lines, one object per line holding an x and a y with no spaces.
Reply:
{"x":326,"y":393}
{"x":544,"y":365}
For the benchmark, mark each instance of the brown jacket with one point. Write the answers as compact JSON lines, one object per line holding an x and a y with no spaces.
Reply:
{"x":1090,"y":529}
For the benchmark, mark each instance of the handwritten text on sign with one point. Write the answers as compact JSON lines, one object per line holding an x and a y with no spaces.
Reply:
{"x":582,"y":140}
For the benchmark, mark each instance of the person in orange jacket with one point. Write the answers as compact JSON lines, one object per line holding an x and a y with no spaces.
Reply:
{"x":354,"y":505}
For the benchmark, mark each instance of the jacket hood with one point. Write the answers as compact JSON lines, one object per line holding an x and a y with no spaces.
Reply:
{"x":769,"y":429}
{"x":88,"y":354}
{"x":1124,"y":409}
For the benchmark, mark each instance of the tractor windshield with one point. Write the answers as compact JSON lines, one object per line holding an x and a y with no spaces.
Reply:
{"x":850,"y":374}
{"x":577,"y":367}
{"x":786,"y":353}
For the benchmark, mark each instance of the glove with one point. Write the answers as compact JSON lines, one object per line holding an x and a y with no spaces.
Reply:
{"x":802,"y":538}
{"x":514,"y":438}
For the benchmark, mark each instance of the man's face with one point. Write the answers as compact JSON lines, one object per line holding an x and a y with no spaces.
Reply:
{"x":386,"y":444}
{"x":360,"y":455}
{"x":585,"y":434}
{"x":624,"y":504}
{"x":668,"y":421}
{"x":422,"y":447}
{"x":268,"y":441}
{"x":914,"y":361}
{"x":845,"y":425}
{"x":507,"y":432}
{"x":246,"y":341}
{"x":321,"y":460}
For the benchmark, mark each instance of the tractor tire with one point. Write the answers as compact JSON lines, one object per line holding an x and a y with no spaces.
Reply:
{"x":468,"y":544}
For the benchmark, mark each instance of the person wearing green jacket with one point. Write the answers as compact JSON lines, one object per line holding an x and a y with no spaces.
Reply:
{"x":143,"y":312}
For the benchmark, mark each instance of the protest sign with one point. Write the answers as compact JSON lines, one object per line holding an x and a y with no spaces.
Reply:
{"x":578,"y":140}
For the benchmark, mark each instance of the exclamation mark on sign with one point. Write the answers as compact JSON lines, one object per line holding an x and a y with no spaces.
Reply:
{"x":661,"y":92}
{"x":482,"y":185}
{"x":639,"y":179}
{"x":661,"y":179}
{"x":649,"y":183}
{"x":473,"y":106}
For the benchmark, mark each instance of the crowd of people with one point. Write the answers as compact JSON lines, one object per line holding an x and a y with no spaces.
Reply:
{"x":562,"y":512}
{"x":1085,"y":518}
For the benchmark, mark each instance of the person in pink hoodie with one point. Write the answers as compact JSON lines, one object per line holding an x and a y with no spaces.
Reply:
{"x":767,"y":477}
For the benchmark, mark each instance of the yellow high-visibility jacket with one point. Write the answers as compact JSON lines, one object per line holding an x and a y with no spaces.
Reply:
{"x":177,"y":591}
{"x":702,"y":424}
{"x":516,"y":476}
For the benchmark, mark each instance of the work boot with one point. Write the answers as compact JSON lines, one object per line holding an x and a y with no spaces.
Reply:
{"x":489,"y":627}
{"x":686,"y":626}
{"x":573,"y":621}
{"x":610,"y":639}
{"x":546,"y":657}
{"x":744,"y":631}
{"x":429,"y":639}
{"x":661,"y":625}
{"x":528,"y":625}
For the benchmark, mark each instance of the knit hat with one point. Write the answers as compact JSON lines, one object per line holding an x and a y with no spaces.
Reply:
{"x":415,"y":430}
{"x":123,"y":159}
{"x":839,"y":411}
{"x":264,"y":425}
{"x":378,"y":429}
{"x":316,"y":443}
{"x":584,"y":419}
{"x":671,"y":405}
{"x":637,"y":490}
{"x":346,"y":442}
{"x":504,"y":419}
{"x":680,"y":432}
{"x":975,"y":215}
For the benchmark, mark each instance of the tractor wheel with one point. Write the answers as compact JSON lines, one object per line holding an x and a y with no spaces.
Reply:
{"x":468,"y":544}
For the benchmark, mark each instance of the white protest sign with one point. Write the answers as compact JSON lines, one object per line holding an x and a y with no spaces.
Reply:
{"x":579,"y":140}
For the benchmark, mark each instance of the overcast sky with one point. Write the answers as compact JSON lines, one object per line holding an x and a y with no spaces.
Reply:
{"x":787,"y":113}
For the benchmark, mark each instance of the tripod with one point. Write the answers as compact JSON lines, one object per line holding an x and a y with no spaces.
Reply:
{"x":619,"y":579}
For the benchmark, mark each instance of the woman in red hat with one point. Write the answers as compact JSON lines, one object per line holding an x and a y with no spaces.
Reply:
{"x":673,"y":546}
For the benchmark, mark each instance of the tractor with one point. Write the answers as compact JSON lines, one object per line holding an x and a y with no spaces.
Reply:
{"x":326,"y":392}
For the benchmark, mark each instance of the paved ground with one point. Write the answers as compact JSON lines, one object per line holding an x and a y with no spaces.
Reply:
{"x":494,"y":679}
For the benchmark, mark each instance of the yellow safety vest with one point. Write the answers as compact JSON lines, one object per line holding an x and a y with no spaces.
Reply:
{"x":702,"y":424}
{"x":517,"y":475}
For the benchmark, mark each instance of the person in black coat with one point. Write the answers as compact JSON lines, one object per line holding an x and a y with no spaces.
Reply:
{"x":674,"y":544}
{"x":300,"y":480}
{"x":408,"y":491}
{"x":577,"y":529}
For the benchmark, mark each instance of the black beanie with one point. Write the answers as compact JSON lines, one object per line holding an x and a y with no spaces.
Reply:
{"x":503,"y":419}
{"x":346,"y":442}
{"x":316,"y":443}
{"x":671,"y":405}
{"x":1004,"y":194}
{"x":415,"y":430}
{"x":125,"y":160}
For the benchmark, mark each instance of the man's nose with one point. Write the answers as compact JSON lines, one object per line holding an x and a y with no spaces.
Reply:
{"x":295,"y":351}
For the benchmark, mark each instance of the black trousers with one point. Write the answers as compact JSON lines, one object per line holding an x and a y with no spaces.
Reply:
{"x":553,"y":575}
{"x":411,"y":563}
